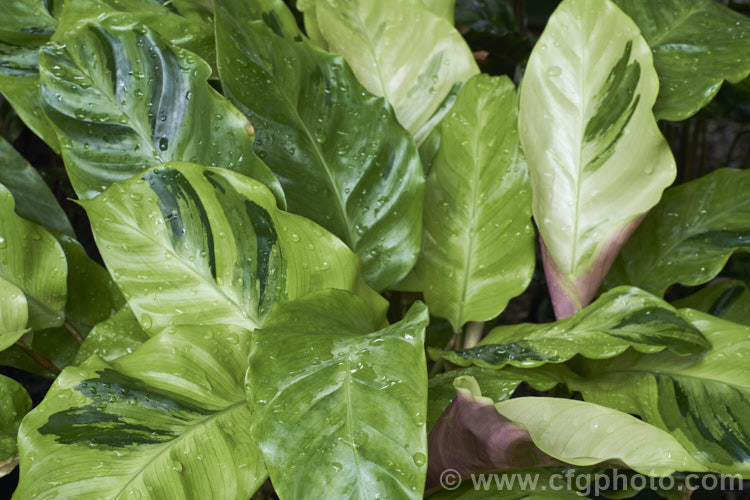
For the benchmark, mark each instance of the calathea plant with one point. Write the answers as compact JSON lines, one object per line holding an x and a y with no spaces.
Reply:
{"x":307,"y":217}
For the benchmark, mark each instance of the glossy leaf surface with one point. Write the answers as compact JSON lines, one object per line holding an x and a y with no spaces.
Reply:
{"x":191,"y":245}
{"x":478,"y":249}
{"x":146,"y":103}
{"x":703,"y":402}
{"x":597,"y":159}
{"x":169,"y":421}
{"x":729,"y":300}
{"x":620,"y":319}
{"x":690,"y":235}
{"x":697,"y":44}
{"x":14,"y":314}
{"x":33,"y":261}
{"x":14,"y":404}
{"x":342,"y":158}
{"x":372,"y":37}
{"x":34,"y":200}
{"x":339,"y":400}
{"x":113,"y":338}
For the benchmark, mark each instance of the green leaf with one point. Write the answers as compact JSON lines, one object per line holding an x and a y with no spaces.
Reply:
{"x":168,"y":421}
{"x":697,"y":44}
{"x":620,"y":319}
{"x":703,"y":402}
{"x":690,"y":235}
{"x":113,"y":338}
{"x":33,"y":261}
{"x":581,"y":433}
{"x":191,"y":245}
{"x":342,"y":158}
{"x":25,"y":26}
{"x":277,"y":16}
{"x":597,"y":160}
{"x":478,"y":249}
{"x":339,"y":405}
{"x":180,"y":23}
{"x":15,"y":315}
{"x":373,"y":37}
{"x":497,"y":385}
{"x":14,"y":404}
{"x":34,"y":200}
{"x":442,"y":8}
{"x":729,"y":300}
{"x":146,"y":103}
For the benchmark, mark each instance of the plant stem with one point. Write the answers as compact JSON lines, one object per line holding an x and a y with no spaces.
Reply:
{"x":41,"y":360}
{"x":474,"y":331}
{"x":73,"y":332}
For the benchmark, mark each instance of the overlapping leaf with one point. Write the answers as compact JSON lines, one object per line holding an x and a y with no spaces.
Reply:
{"x":113,"y":338}
{"x":729,"y":300}
{"x":14,"y":404}
{"x":478,"y":249}
{"x":477,"y":435}
{"x":14,"y":314}
{"x":33,"y":261}
{"x":372,"y":37}
{"x":597,"y":159}
{"x":337,"y":400}
{"x":703,"y":402}
{"x":191,"y":245}
{"x":690,"y":235}
{"x":121,"y":99}
{"x":697,"y":44}
{"x":342,"y":158}
{"x":620,"y":319}
{"x":169,"y":421}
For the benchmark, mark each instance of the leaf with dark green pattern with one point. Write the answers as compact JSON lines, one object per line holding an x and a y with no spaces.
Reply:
{"x":620,"y":319}
{"x":729,"y":300}
{"x":191,"y":245}
{"x":14,"y":404}
{"x":497,"y":385}
{"x":689,"y":236}
{"x":697,"y":44}
{"x":704,"y":402}
{"x":342,"y":158}
{"x":122,"y":99}
{"x":154,"y":424}
{"x":597,"y":159}
{"x":337,"y":400}
{"x":478,"y":249}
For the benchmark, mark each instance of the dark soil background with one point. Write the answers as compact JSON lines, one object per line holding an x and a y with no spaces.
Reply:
{"x":502,"y":34}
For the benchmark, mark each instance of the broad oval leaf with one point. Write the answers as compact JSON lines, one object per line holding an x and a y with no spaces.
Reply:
{"x":373,"y":37}
{"x":620,"y":319}
{"x":169,"y":421}
{"x":14,"y":314}
{"x":32,"y":260}
{"x":191,"y":245}
{"x":697,"y":44}
{"x":690,"y":235}
{"x":703,"y":402}
{"x":339,"y":405}
{"x":597,"y":159}
{"x":342,"y":158}
{"x":14,"y":404}
{"x":478,"y":249}
{"x":121,"y":100}
{"x":477,"y":435}
{"x":729,"y":300}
